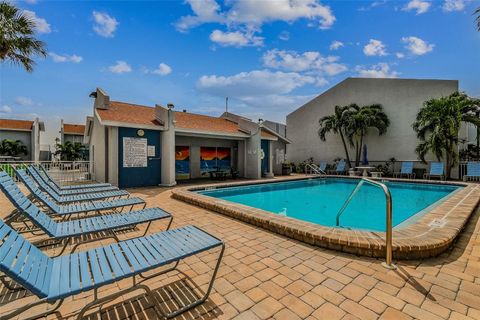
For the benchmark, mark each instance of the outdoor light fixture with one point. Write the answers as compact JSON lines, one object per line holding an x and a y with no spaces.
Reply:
{"x":170,"y":106}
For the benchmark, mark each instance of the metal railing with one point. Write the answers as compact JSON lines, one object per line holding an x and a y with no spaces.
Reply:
{"x":389,"y":228}
{"x":311,"y":168}
{"x":63,"y":172}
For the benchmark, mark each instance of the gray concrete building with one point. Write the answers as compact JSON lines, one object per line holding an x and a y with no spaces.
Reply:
{"x":27,"y":131}
{"x":133,"y":145}
{"x":401,"y":100}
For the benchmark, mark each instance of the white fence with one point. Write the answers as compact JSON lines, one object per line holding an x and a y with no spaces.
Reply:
{"x":63,"y":172}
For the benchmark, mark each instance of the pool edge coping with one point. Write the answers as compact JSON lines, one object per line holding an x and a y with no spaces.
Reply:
{"x":419,"y":240}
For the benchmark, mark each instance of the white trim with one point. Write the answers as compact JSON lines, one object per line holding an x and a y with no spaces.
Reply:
{"x":20,"y":130}
{"x":196,"y":133}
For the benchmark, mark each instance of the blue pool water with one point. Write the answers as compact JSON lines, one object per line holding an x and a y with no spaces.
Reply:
{"x":319,"y":200}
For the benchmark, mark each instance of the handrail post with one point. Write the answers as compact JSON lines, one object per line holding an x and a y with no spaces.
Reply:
{"x":389,"y":232}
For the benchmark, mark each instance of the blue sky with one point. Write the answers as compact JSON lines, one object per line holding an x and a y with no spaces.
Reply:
{"x":268,"y":57}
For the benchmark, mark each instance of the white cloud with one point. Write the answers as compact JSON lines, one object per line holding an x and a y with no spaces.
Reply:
{"x":417,"y":46}
{"x":321,"y":82}
{"x":5,"y":109}
{"x":163,"y":69}
{"x":65,"y":58}
{"x":284,"y":35}
{"x":453,"y":5}
{"x":258,"y":12}
{"x":335,"y":45}
{"x":120,"y":67}
{"x":375,"y":48}
{"x":24,"y":101}
{"x":418,"y":5}
{"x":253,"y":83}
{"x":400,"y":55}
{"x":104,"y":25}
{"x":41,"y":25}
{"x":379,"y":70}
{"x":205,"y":11}
{"x":299,"y":62}
{"x":236,"y":38}
{"x":251,"y":15}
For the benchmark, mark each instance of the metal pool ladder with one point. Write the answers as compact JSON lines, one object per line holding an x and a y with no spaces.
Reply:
{"x":389,"y":233}
{"x":313,"y":168}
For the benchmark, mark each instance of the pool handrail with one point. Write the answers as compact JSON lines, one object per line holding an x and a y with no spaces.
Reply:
{"x":389,"y":232}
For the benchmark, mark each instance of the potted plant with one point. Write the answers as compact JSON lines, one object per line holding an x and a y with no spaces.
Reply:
{"x":287,"y":168}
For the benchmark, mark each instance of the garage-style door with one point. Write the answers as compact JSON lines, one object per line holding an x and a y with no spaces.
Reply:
{"x":139,"y":158}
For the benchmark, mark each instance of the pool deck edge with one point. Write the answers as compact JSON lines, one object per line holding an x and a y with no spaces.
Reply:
{"x":430,"y":235}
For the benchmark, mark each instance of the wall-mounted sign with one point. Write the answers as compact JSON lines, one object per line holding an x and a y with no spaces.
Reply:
{"x":140,"y":133}
{"x":134,"y":152}
{"x":151,"y":151}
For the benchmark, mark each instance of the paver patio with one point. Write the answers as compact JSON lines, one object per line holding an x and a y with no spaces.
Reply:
{"x":264,"y":275}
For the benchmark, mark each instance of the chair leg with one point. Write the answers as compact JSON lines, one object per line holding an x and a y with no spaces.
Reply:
{"x":207,"y":293}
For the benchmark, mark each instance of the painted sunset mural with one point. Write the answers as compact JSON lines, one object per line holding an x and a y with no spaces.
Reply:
{"x":212,"y":159}
{"x":182,"y":162}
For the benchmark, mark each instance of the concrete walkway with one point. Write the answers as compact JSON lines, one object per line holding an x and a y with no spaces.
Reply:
{"x":264,"y":276}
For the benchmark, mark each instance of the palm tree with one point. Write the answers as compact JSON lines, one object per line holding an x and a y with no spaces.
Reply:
{"x":438,"y":123}
{"x":336,"y":123}
{"x":477,"y":13}
{"x":70,"y":151}
{"x":17,"y":43}
{"x":12,"y":148}
{"x":360,"y":120}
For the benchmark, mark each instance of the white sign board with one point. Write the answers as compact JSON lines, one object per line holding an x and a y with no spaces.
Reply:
{"x":134,"y":152}
{"x":151,"y":151}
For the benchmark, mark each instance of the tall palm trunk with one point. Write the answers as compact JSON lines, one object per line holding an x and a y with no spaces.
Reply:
{"x":347,"y":156}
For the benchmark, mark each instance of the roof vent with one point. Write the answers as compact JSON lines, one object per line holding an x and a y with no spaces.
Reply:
{"x":184,"y":110}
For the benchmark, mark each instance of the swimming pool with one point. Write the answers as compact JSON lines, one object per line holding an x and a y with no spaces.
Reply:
{"x":319,"y":200}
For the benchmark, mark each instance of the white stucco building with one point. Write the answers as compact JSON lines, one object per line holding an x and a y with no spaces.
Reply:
{"x":401,"y":100}
{"x":133,"y":145}
{"x":26,"y":131}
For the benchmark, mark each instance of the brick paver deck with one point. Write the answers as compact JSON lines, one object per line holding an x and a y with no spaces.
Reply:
{"x":265,"y":275}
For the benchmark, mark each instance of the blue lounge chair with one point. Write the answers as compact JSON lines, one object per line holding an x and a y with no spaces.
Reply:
{"x":322,"y":166}
{"x":339,"y":168}
{"x":67,"y":192}
{"x":406,"y":170}
{"x":436,"y":171}
{"x":79,"y":227}
{"x":54,"y":279}
{"x":70,"y":208}
{"x":72,"y":187}
{"x":473,"y":171}
{"x":74,"y":198}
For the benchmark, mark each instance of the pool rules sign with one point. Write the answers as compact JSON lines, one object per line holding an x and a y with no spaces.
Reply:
{"x":134,"y":152}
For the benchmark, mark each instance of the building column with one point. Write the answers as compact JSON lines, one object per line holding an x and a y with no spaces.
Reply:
{"x":270,"y":160}
{"x":167,"y":145}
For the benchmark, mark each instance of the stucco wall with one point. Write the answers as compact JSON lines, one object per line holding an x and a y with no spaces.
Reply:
{"x":401,"y":99}
{"x":278,"y":154}
{"x":72,"y":138}
{"x":97,"y":151}
{"x":24,"y":136}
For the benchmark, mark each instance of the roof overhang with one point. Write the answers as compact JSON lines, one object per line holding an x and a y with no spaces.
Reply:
{"x":211,"y":134}
{"x":128,"y":124}
{"x":279,"y":136}
{"x":20,"y":130}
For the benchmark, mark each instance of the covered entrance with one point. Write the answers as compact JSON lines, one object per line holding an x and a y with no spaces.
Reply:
{"x":139,"y":159}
